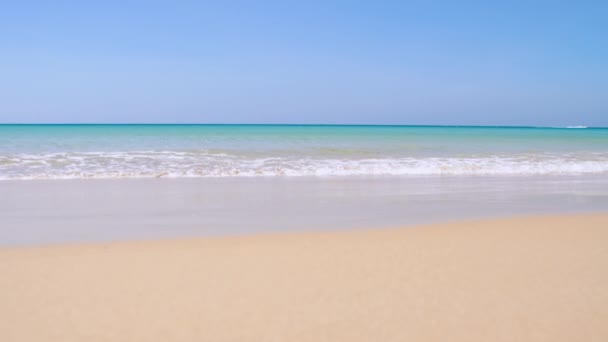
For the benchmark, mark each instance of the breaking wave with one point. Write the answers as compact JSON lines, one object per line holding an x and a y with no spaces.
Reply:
{"x":174,"y":164}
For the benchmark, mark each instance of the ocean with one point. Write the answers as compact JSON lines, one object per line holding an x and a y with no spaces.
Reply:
{"x":70,"y":151}
{"x":64,"y":183}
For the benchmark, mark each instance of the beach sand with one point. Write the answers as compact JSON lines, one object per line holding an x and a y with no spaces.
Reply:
{"x":518,"y":279}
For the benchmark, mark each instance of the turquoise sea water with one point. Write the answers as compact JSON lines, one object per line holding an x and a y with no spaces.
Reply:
{"x":145,"y":151}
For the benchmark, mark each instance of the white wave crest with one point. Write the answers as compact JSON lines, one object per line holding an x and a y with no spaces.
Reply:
{"x":176,"y":164}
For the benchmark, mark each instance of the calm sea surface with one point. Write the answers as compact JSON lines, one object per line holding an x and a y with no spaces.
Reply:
{"x":192,"y":151}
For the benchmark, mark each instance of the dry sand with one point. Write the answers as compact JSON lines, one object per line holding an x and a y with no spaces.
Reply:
{"x":522,"y":279}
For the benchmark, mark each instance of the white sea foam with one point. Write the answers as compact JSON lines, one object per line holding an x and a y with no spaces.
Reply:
{"x":179,"y":164}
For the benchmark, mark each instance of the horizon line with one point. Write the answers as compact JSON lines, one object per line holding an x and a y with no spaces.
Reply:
{"x":280,"y":124}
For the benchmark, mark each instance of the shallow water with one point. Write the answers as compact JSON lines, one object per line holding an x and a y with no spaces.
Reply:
{"x":53,"y":211}
{"x":202,"y":151}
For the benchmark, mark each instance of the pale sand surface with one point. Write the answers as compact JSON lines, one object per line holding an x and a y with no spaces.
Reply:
{"x":521,"y":279}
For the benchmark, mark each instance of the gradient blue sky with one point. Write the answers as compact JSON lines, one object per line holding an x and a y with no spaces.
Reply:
{"x":378,"y":62}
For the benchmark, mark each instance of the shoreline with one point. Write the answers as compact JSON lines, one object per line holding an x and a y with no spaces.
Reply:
{"x":49,"y":212}
{"x":535,"y":278}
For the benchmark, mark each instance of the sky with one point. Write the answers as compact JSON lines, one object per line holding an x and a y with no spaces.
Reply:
{"x":540,"y":63}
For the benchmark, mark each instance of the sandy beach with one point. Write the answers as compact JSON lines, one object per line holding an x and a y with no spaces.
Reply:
{"x":518,"y":279}
{"x":430,"y":171}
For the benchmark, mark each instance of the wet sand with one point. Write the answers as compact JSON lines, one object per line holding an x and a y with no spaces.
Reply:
{"x":102,"y":210}
{"x":519,"y":279}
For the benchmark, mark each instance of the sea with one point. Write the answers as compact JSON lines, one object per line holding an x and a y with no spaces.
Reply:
{"x":30,"y":152}
{"x":73,"y":183}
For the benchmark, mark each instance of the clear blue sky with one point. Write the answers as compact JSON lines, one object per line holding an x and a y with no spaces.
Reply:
{"x":382,"y":62}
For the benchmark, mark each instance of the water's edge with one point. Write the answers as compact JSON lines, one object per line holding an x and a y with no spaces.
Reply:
{"x":44,"y":211}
